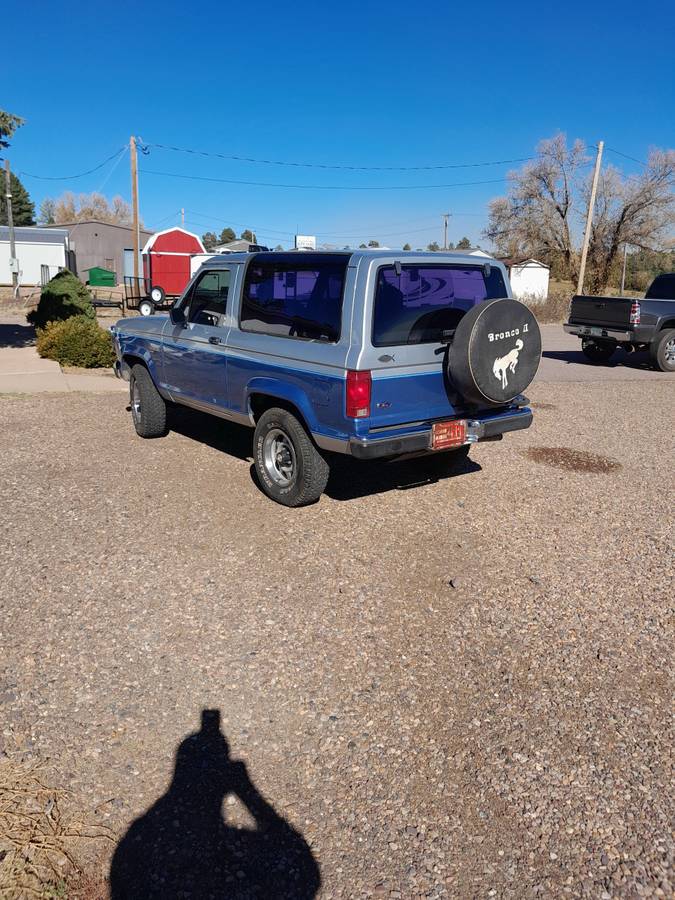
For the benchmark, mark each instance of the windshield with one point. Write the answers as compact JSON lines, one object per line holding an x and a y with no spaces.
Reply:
{"x":422,"y":302}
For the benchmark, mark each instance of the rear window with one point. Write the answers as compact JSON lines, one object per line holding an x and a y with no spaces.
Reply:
{"x":421,"y":303}
{"x":296,"y":300}
{"x":662,"y":288}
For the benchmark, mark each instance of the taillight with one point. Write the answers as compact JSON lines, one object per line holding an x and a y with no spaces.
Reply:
{"x":358,"y":394}
{"x":635,"y":313}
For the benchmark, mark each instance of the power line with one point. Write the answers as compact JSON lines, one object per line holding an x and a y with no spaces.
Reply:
{"x":307,"y":165}
{"x":79,"y":175}
{"x":326,"y":187}
{"x":626,"y":156}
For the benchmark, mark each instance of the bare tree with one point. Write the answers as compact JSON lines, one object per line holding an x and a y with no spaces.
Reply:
{"x":69,"y":208}
{"x":536,"y":217}
{"x":542,"y":214}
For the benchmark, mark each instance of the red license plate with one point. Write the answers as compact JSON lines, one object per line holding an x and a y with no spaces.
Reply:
{"x":448,"y":434}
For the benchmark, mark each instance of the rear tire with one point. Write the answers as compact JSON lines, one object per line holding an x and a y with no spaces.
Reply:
{"x":596,"y":352}
{"x":148,"y":409}
{"x":289,"y":467}
{"x":662,"y":350}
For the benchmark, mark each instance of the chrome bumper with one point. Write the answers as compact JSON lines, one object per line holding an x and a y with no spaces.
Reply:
{"x":488,"y":428}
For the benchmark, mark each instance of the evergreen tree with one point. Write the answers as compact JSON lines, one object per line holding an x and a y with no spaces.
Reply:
{"x":248,"y":235}
{"x":407,"y":247}
{"x":23,"y":210}
{"x":227,"y":235}
{"x":464,"y":244}
{"x":209,"y":240}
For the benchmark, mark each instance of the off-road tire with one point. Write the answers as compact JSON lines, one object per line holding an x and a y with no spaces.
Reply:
{"x":598,"y":353}
{"x":310,"y":471}
{"x":148,"y":408}
{"x":662,"y":350}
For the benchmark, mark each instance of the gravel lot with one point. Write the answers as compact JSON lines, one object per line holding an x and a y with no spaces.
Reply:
{"x":452,"y":687}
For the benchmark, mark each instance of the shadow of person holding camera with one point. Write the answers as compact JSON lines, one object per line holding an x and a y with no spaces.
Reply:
{"x":182,"y":846}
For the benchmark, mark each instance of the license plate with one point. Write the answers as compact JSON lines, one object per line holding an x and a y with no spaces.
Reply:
{"x":593,"y":331}
{"x":448,"y":434}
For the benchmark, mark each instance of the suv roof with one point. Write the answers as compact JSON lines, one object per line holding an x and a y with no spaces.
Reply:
{"x":309,"y":256}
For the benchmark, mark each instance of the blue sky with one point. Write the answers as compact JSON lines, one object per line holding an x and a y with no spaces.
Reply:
{"x":354,"y":84}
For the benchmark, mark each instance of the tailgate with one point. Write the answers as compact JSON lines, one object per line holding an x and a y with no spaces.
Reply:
{"x":607,"y":311}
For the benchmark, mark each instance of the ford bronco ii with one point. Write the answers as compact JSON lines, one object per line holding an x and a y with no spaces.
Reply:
{"x":377,"y":354}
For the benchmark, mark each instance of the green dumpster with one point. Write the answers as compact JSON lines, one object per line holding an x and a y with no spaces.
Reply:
{"x":100,"y":277}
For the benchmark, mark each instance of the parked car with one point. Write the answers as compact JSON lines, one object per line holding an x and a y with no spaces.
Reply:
{"x":375,"y":354}
{"x":606,"y":323}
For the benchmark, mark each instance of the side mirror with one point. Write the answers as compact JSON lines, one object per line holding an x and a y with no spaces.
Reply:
{"x":177,"y":315}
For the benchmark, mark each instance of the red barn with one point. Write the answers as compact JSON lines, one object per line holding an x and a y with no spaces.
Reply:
{"x":166,"y":259}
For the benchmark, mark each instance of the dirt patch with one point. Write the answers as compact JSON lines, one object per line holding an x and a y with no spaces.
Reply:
{"x":541,"y":405}
{"x":573,"y":460}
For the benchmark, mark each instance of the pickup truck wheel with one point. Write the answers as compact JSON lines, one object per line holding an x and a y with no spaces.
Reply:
{"x":289,"y":467}
{"x":148,"y":409}
{"x":662,"y":350}
{"x":597,"y":352}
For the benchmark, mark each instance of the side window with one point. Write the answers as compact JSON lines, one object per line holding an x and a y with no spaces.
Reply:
{"x":209,"y":298}
{"x":294,"y":300}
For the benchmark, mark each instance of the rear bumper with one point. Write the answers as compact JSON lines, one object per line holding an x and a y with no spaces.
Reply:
{"x":610,"y":334}
{"x":478,"y":429}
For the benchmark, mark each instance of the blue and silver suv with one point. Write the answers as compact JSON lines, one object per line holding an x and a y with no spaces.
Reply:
{"x":368,"y":353}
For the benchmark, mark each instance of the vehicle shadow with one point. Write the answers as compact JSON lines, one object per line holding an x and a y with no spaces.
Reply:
{"x":228,"y":437}
{"x":352,"y":479}
{"x":183,"y":847}
{"x":12,"y":334}
{"x":637,"y":360}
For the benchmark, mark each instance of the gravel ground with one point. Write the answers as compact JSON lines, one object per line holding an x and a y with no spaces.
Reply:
{"x":443,"y":686}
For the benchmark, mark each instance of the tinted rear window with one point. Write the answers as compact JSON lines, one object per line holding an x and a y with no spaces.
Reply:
{"x":418,"y":305}
{"x":294,"y":300}
{"x":662,"y":288}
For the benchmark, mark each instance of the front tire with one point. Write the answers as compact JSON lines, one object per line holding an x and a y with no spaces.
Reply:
{"x":289,"y":467}
{"x":597,"y":352}
{"x":148,"y":408}
{"x":662,"y":350}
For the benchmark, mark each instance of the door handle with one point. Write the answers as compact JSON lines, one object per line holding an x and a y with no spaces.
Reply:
{"x":215,"y":340}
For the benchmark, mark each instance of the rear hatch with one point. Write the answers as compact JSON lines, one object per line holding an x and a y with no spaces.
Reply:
{"x":608,"y":311}
{"x":416,"y":308}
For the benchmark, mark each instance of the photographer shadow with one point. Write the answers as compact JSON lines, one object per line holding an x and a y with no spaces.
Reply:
{"x":183,"y":847}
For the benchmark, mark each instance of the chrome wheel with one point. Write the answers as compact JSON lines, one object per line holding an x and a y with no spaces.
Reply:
{"x":279,"y":457}
{"x":135,"y":403}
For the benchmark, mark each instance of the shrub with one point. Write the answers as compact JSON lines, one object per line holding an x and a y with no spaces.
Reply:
{"x":64,"y":296}
{"x":551,"y":309}
{"x":76,"y":341}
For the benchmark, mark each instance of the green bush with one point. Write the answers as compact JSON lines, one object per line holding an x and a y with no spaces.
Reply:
{"x":64,"y":296}
{"x":76,"y":341}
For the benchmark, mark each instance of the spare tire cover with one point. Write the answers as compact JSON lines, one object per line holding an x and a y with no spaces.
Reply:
{"x":495,"y":352}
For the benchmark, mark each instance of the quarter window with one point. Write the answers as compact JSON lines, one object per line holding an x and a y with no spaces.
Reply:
{"x":209,"y":298}
{"x":294,"y":299}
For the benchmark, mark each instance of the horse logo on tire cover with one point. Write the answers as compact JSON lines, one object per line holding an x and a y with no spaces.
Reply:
{"x":503,"y":364}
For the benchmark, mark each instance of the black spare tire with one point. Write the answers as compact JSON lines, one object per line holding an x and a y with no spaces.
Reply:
{"x":495,"y":352}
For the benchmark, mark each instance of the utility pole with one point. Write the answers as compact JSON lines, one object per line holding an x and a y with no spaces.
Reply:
{"x":182,"y":217}
{"x":134,"y":206}
{"x":14,"y":265}
{"x":446,"y":216}
{"x":623,"y":270}
{"x":589,"y":218}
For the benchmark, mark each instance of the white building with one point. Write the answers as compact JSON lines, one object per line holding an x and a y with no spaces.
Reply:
{"x":529,"y":278}
{"x":41,"y":252}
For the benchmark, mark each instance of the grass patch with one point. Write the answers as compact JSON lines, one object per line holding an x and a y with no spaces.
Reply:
{"x":39,"y":838}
